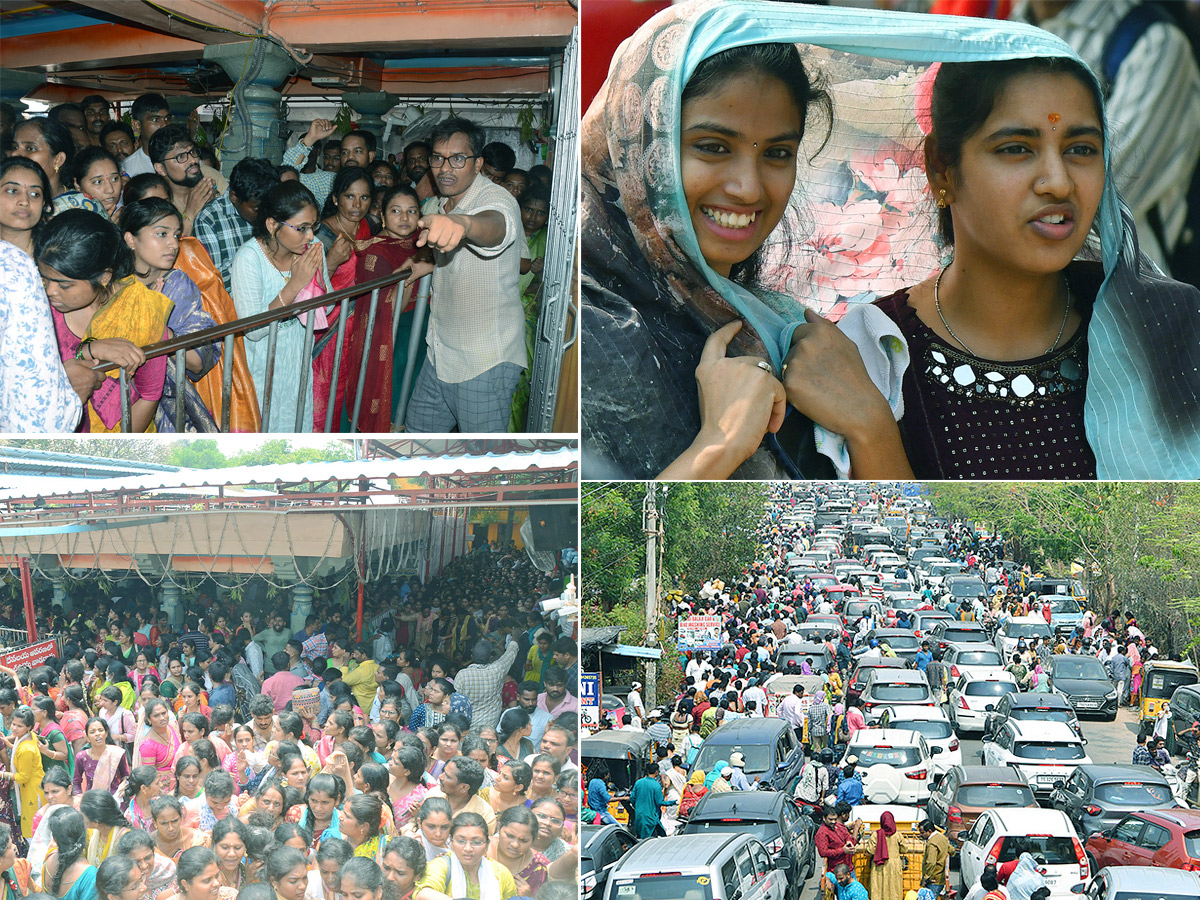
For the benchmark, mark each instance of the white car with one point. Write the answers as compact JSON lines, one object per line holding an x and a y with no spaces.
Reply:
{"x":929,"y":722}
{"x":1002,"y":835}
{"x":1018,"y":629}
{"x":1045,"y":752}
{"x":980,"y":659}
{"x":970,"y":696}
{"x":894,"y":764}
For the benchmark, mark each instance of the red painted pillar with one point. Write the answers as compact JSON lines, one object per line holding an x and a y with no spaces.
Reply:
{"x":27,"y":594}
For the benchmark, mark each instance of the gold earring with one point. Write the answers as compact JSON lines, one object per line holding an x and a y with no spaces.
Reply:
{"x":941,"y":200}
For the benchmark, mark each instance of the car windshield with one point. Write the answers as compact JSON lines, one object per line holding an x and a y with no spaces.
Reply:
{"x":758,"y":756}
{"x":906,"y":602}
{"x":1041,"y":714}
{"x":888,"y":756}
{"x":1051,"y":851}
{"x":1191,"y":844}
{"x":1027,"y":630}
{"x":1047,"y":750}
{"x":1083,"y":667}
{"x":764,"y":831}
{"x":1133,"y":794}
{"x":943,"y":569}
{"x":856,"y":608}
{"x":899,"y":641}
{"x":962,"y":635}
{"x":663,"y":887}
{"x":885,"y":692}
{"x":978,"y":658}
{"x":995,"y":795}
{"x":967,"y":587}
{"x":932,"y":729}
{"x":989,"y":688}
{"x":1163,"y":682}
{"x":1065,"y":605}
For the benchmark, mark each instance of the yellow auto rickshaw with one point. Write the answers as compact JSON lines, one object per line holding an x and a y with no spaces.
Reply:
{"x":1160,"y":678}
{"x":628,"y":755}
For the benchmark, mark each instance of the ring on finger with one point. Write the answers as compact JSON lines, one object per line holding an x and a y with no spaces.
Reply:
{"x":765,"y":366}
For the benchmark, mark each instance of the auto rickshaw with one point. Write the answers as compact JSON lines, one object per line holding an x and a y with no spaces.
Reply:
{"x":628,"y":754}
{"x":1160,"y":679}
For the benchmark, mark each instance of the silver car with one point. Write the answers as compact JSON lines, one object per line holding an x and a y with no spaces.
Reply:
{"x":712,"y":866}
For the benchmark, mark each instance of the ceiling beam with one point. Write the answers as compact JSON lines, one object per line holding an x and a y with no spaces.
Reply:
{"x":95,"y":46}
{"x":245,"y":16}
{"x":339,"y":25}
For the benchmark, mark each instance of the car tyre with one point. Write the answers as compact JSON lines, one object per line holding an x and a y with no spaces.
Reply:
{"x":1092,"y":867}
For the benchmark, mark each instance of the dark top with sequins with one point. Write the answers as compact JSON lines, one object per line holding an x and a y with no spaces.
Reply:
{"x":966,"y":417}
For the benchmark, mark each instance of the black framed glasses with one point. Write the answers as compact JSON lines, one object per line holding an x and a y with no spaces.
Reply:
{"x":180,"y":159}
{"x":457,"y":161}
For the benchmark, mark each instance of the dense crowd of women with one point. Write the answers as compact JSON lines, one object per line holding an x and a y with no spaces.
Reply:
{"x":122,"y":270}
{"x":373,"y":778}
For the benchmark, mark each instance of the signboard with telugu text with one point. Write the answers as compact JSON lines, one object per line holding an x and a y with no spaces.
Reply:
{"x":700,"y":633}
{"x":29,"y":656}
{"x":589,"y":700}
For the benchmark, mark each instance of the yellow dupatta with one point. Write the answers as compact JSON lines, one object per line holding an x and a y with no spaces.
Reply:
{"x":136,"y":314}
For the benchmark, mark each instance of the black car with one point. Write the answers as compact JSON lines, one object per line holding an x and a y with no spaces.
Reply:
{"x":1031,"y":707}
{"x":1084,"y":681}
{"x":772,"y":817}
{"x":1095,"y":798}
{"x":817,"y":655}
{"x":602,"y":847}
{"x":768,"y":745}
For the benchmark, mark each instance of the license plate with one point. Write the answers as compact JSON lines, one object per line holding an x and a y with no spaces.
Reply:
{"x":1088,"y":704}
{"x":1048,"y":780}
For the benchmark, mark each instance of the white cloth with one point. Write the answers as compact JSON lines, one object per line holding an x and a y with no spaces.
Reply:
{"x":489,"y":884}
{"x":35,"y":392}
{"x":40,"y":843}
{"x":885,"y":354}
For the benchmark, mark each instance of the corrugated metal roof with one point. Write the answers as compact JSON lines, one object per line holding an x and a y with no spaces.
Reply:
{"x":26,"y":460}
{"x":373,"y":469}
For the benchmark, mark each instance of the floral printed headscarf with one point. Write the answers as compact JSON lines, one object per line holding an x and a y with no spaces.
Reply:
{"x":866,"y":220}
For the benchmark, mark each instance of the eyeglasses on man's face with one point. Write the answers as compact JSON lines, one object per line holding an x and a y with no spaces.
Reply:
{"x":180,"y":159}
{"x":457,"y":161}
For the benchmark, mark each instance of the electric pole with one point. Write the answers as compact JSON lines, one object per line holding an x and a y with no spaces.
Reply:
{"x":650,"y":526}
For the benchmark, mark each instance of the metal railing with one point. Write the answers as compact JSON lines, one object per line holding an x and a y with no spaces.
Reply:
{"x":559,"y":273}
{"x":177,"y":348}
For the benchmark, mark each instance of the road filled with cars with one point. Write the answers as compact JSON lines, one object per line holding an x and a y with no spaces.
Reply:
{"x":895,"y":710}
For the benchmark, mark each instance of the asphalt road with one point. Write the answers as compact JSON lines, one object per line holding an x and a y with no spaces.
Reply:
{"x":1107,"y":742}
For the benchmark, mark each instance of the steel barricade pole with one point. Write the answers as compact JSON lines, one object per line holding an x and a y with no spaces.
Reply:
{"x":272,"y":337}
{"x":126,"y":412}
{"x":414,"y":343}
{"x":362,"y":365}
{"x":306,"y":371}
{"x":337,"y":363}
{"x":227,"y":383}
{"x":180,"y":376}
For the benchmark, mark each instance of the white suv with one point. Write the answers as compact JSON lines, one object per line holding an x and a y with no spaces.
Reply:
{"x":894,"y":763}
{"x":1045,"y":752}
{"x":929,"y":722}
{"x":1017,"y":629}
{"x":1002,"y":835}
{"x":975,"y":657}
{"x":970,"y":696}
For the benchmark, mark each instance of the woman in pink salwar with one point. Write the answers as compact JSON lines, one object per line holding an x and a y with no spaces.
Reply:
{"x":158,"y":745}
{"x":101,"y":765}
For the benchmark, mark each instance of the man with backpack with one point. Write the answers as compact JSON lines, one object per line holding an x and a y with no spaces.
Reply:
{"x":1145,"y":52}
